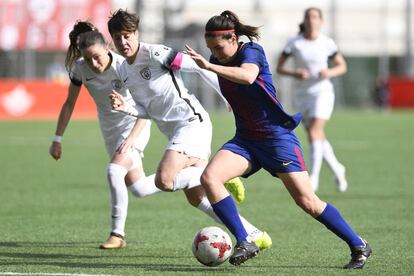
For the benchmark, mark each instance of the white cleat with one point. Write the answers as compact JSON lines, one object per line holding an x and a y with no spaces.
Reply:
{"x":340,"y":179}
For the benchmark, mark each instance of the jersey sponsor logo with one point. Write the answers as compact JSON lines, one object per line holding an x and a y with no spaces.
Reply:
{"x":89,"y":79}
{"x":116,"y":84}
{"x":286,"y":163}
{"x":145,"y":73}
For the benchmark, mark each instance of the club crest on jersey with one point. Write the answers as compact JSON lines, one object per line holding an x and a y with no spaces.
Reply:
{"x":145,"y":73}
{"x":116,"y":84}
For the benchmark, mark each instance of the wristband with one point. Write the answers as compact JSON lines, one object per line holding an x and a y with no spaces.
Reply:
{"x":57,"y":139}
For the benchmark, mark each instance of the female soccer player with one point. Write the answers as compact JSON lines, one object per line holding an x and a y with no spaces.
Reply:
{"x":96,"y":67}
{"x":314,"y":94}
{"x":264,"y":137}
{"x":152,"y":74}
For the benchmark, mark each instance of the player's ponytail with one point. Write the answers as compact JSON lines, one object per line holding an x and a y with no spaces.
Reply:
{"x":73,"y":52}
{"x":228,"y":23}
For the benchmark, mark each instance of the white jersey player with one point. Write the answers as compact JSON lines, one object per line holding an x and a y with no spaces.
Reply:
{"x":157,"y":88}
{"x":98,"y":71}
{"x":152,"y":74}
{"x":115,"y":127}
{"x":314,"y":96}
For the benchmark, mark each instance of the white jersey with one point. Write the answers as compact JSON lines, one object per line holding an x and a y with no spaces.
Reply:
{"x":312,"y":55}
{"x":159,"y":92}
{"x":114,"y":125}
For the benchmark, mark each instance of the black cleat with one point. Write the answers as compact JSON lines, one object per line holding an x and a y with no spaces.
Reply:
{"x":242,"y":252}
{"x":359,"y":256}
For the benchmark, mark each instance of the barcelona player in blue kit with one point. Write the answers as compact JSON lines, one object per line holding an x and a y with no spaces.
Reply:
{"x":264,"y":137}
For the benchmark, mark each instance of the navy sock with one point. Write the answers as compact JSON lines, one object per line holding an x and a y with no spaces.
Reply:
{"x":226,"y":210}
{"x":333,"y":220}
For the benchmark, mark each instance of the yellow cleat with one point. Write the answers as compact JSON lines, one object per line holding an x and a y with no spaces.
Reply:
{"x":113,"y":242}
{"x":236,"y":188}
{"x":263,"y":241}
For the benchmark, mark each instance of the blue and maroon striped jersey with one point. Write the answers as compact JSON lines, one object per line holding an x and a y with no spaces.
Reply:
{"x":257,"y":110}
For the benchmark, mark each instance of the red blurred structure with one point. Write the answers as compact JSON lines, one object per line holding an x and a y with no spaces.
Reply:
{"x":45,"y":24}
{"x":39,"y":99}
{"x":401,"y":90}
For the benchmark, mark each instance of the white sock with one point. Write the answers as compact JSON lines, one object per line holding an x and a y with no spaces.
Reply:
{"x":316,"y":158}
{"x":119,"y":196}
{"x":330,"y":158}
{"x":206,"y":207}
{"x":188,"y":178}
{"x":144,"y":186}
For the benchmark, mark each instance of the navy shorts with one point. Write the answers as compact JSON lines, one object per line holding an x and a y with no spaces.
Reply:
{"x":281,"y":155}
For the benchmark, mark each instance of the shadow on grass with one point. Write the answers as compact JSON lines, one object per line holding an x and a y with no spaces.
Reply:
{"x":49,"y":244}
{"x":170,"y":267}
{"x":99,"y":259}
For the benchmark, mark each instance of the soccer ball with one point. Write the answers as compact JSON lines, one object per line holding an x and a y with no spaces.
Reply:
{"x":212,"y":246}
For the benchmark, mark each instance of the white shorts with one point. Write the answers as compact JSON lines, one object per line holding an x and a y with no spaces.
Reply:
{"x":193,"y":140}
{"x":315,"y":105}
{"x":140,"y":143}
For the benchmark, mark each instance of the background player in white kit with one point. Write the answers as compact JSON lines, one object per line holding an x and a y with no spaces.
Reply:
{"x":314,"y":95}
{"x":152,"y":74}
{"x":98,"y":71}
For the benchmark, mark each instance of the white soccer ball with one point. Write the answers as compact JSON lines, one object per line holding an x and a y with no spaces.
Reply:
{"x":212,"y":246}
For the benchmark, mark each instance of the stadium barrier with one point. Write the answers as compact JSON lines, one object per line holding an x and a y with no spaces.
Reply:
{"x":401,"y":92}
{"x":40,"y":100}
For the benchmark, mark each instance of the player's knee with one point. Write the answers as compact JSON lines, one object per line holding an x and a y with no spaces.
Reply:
{"x":206,"y":179}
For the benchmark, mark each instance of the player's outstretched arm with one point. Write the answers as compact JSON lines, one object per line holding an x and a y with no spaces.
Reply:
{"x":189,"y":65}
{"x":65,"y":114}
{"x":245,"y":74}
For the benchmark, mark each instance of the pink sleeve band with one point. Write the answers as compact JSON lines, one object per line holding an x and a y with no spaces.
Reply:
{"x":176,"y":64}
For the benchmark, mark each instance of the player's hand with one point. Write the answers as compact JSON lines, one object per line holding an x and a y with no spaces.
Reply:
{"x":302,"y":74}
{"x":55,"y":150}
{"x":125,"y":146}
{"x":325,"y":74}
{"x":117,"y":101}
{"x":199,"y":59}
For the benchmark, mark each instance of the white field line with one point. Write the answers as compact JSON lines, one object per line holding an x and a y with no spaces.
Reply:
{"x":52,"y":274}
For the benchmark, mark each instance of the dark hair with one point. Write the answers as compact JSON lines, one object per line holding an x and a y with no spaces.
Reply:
{"x":122,"y":20}
{"x":228,"y":20}
{"x":302,"y":27}
{"x":73,"y":52}
{"x":91,"y":38}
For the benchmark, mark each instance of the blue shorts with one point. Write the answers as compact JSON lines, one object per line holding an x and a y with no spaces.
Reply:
{"x":281,"y":155}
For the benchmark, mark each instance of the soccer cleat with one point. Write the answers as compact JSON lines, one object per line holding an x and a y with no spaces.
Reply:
{"x":243,"y":251}
{"x":113,"y":242}
{"x":359,"y":256}
{"x":263,"y":241}
{"x":236,"y":188}
{"x":340,"y":179}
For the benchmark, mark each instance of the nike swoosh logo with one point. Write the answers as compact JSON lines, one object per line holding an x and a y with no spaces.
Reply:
{"x":286,"y":163}
{"x":125,"y":79}
{"x":88,"y":79}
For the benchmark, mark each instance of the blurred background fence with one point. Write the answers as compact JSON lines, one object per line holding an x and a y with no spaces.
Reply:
{"x":375,"y":36}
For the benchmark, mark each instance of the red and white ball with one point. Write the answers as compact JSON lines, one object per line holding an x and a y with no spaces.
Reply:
{"x":212,"y":246}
